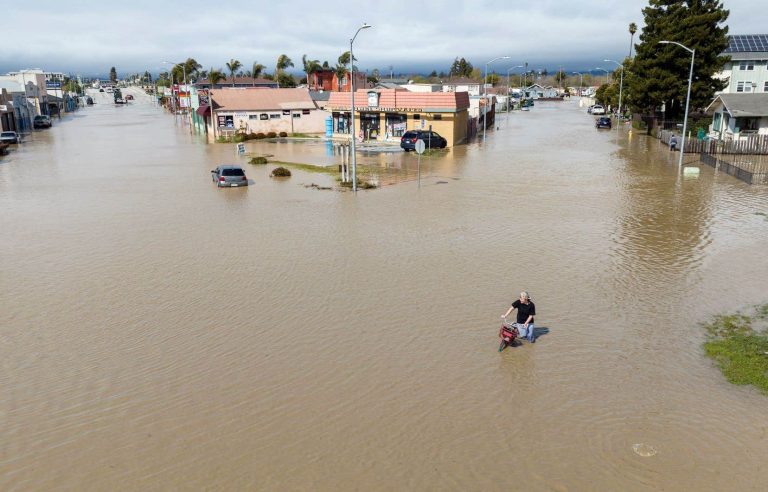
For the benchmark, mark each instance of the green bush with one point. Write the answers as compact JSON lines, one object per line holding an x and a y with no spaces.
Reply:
{"x":283,"y":134}
{"x":281,"y":172}
{"x":258,"y":160}
{"x":271,"y":135}
{"x":260,"y":135}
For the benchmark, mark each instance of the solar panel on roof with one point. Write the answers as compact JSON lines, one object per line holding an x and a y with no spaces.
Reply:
{"x":747,"y":42}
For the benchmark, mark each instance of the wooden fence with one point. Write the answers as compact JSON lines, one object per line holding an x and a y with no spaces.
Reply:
{"x":752,"y":145}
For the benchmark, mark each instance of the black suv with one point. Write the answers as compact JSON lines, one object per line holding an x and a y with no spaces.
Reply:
{"x":431,"y":140}
{"x":603,"y":122}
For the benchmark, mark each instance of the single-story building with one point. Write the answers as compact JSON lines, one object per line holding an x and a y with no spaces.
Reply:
{"x":255,"y":110}
{"x":537,"y":91}
{"x":462,"y":84}
{"x":386,"y":114}
{"x":738,"y":116}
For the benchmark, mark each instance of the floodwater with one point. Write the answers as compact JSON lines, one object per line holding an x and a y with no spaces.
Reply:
{"x":158,"y":333}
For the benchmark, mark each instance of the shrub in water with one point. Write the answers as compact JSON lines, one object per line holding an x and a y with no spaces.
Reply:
{"x":271,"y":135}
{"x":258,"y":160}
{"x":283,"y":134}
{"x":281,"y":172}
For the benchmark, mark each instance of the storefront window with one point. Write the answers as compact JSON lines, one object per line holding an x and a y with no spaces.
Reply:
{"x":395,"y":124}
{"x":369,"y":124}
{"x":341,"y":123}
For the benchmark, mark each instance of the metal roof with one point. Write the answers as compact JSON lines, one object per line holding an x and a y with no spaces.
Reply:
{"x":741,"y":43}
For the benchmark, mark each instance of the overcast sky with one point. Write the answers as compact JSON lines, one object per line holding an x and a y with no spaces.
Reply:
{"x":89,"y":37}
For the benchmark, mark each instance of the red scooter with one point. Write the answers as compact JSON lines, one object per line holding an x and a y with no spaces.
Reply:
{"x":508,"y":333}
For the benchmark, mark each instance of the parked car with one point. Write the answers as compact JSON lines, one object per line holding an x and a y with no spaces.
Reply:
{"x":229,"y":175}
{"x":597,"y":109}
{"x":431,"y":140}
{"x":129,"y":97}
{"x":603,"y":122}
{"x":42,"y":121}
{"x":10,"y":138}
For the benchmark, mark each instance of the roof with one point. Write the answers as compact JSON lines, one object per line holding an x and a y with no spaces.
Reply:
{"x":320,"y":95}
{"x":461,"y":81}
{"x":260,"y":99}
{"x":387,"y":85}
{"x":389,"y":98}
{"x":11,"y":86}
{"x":741,"y":43}
{"x":742,"y":105}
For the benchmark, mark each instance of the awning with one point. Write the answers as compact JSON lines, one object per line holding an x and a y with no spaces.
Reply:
{"x":203,"y":110}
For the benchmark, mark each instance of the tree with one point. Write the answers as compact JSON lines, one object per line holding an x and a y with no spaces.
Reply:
{"x":433,"y":74}
{"x":112,"y":74}
{"x":71,"y":85}
{"x":632,"y":31}
{"x":340,"y":71}
{"x":344,"y":60}
{"x":493,"y":79}
{"x":284,"y":79}
{"x":460,"y":68}
{"x":659,"y":73}
{"x":232,"y":66}
{"x":283,"y":62}
{"x":310,"y":66}
{"x":215,"y":76}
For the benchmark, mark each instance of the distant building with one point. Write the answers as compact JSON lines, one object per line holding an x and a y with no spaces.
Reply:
{"x":537,"y":91}
{"x":423,"y":87}
{"x":747,"y":71}
{"x":326,"y":80}
{"x":462,"y":84}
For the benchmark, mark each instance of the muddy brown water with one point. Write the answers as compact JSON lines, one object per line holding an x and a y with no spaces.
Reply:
{"x":158,"y":333}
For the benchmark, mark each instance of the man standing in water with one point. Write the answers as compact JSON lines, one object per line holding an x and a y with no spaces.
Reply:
{"x":525,"y":313}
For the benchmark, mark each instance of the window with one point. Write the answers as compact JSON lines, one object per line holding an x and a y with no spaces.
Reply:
{"x":437,"y":117}
{"x":304,"y":111}
{"x":274,"y":116}
{"x":765,"y":87}
{"x":297,"y":115}
{"x":263,"y":116}
{"x":747,"y":65}
{"x":744,"y":86}
{"x":253,"y":117}
{"x":417,"y":116}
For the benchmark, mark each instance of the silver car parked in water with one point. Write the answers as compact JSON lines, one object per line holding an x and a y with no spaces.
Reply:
{"x":229,"y":175}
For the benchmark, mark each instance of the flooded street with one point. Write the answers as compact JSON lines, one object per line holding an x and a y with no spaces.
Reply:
{"x":159,"y":333}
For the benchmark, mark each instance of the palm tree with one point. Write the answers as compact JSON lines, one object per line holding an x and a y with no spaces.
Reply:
{"x":232,"y":66}
{"x":283,"y":62}
{"x":341,"y":71}
{"x":256,"y":71}
{"x":632,"y":31}
{"x":310,"y":66}
{"x":215,"y":76}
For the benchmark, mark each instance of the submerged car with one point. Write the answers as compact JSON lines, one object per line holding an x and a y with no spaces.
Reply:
{"x":431,"y":140}
{"x":10,"y":138}
{"x":42,"y":121}
{"x":229,"y":175}
{"x":597,"y":109}
{"x":603,"y":122}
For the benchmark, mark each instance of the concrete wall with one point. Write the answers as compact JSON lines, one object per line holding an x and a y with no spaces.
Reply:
{"x":314,"y":122}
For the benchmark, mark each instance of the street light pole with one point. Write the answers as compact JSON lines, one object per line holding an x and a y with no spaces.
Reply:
{"x":485,"y":91}
{"x":687,"y":98}
{"x":621,"y":86}
{"x":581,"y":80}
{"x":606,"y":73}
{"x":352,"y":109}
{"x":510,"y":68}
{"x":189,"y":97}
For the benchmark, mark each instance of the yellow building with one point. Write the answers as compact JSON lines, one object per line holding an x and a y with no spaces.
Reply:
{"x":386,"y":114}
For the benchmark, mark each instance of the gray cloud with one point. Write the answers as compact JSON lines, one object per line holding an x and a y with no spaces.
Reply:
{"x":92,"y":36}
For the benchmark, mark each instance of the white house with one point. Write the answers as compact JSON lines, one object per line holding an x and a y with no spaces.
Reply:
{"x":423,"y":87}
{"x":537,"y":91}
{"x":462,"y":84}
{"x":738,"y":116}
{"x":748,"y":69}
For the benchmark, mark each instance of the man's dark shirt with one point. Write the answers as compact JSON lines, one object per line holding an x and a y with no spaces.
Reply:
{"x":524,"y":310}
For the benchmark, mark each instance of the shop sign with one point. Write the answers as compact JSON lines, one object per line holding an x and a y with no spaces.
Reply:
{"x":373,"y":99}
